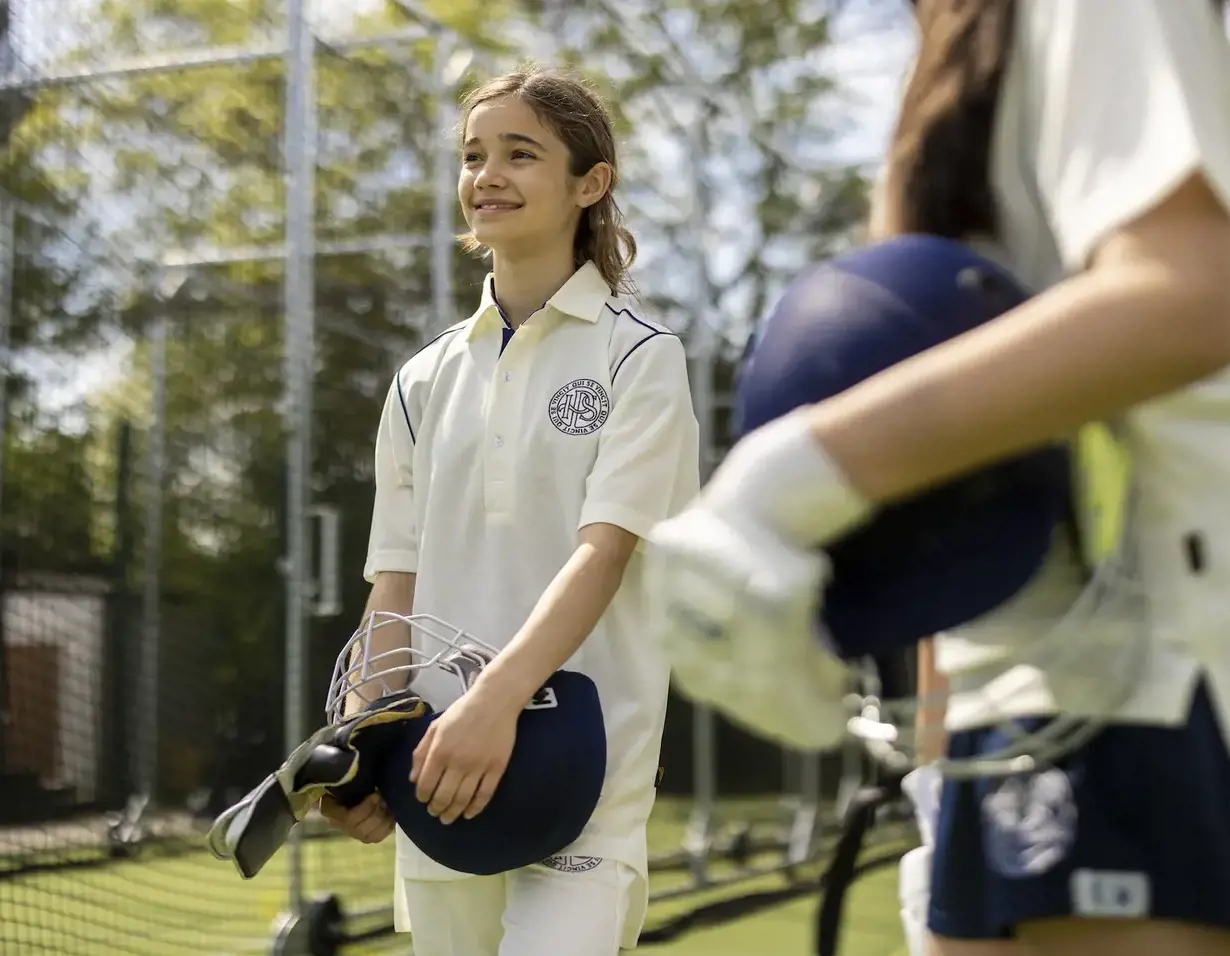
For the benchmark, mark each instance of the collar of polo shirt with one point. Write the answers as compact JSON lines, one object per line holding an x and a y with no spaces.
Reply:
{"x":581,"y":297}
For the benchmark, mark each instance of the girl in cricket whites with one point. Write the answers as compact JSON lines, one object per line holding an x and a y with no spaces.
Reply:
{"x":521,"y":456}
{"x":1085,"y":144}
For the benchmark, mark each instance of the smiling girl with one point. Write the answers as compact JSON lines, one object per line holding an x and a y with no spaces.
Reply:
{"x":520,"y":458}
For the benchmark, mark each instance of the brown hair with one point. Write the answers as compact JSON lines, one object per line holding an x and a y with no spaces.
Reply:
{"x":938,"y":176}
{"x":580,"y":119}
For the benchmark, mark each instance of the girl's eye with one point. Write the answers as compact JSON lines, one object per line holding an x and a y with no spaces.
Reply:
{"x":522,"y":154}
{"x":470,"y":158}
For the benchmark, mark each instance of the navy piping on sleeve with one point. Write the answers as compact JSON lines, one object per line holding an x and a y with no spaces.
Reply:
{"x":401,"y":395}
{"x":653,"y":333}
{"x":405,"y":411}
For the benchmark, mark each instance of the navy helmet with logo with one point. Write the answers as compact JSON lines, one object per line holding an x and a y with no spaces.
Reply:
{"x":554,"y":777}
{"x":955,"y":552}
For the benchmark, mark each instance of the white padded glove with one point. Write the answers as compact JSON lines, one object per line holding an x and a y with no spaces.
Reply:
{"x":735,"y":585}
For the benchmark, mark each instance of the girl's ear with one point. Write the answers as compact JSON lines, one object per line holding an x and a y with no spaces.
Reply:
{"x":594,"y":184}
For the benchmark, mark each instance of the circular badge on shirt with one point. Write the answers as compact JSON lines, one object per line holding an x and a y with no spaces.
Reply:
{"x":572,"y":864}
{"x":1029,"y":823}
{"x":579,"y":408}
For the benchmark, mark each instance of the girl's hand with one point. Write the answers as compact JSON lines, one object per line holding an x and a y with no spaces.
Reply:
{"x":460,"y":760}
{"x":369,"y":822}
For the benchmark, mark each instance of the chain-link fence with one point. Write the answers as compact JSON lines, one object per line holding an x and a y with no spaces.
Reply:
{"x":223,"y":225}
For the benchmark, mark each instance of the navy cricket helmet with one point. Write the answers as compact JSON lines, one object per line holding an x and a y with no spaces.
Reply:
{"x":955,"y":552}
{"x":554,"y":777}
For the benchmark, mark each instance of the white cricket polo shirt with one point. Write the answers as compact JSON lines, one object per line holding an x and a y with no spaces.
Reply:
{"x":1107,"y":105}
{"x":489,"y":460}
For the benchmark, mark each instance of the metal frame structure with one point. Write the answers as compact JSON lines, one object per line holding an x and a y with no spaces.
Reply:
{"x":795,"y":839}
{"x":299,"y":252}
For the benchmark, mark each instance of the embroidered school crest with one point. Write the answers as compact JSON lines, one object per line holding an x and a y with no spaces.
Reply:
{"x":579,"y":408}
{"x":572,"y":864}
{"x":1030,"y":823}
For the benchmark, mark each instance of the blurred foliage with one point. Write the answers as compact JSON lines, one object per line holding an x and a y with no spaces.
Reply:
{"x":108,"y":176}
{"x":729,"y":93}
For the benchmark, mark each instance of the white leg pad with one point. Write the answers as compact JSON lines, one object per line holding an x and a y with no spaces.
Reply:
{"x":914,"y":889}
{"x":922,"y":786}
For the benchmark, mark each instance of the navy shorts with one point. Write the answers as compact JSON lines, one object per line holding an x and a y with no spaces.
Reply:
{"x":1136,"y":824}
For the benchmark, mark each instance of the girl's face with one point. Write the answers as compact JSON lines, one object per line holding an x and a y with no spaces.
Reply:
{"x":515,"y":187}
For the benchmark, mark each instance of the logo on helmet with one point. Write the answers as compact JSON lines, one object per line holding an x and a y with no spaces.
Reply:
{"x":545,"y":699}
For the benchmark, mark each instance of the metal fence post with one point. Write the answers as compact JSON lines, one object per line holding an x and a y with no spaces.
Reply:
{"x":7,"y":253}
{"x":145,"y":773}
{"x":300,"y":349}
{"x":443,"y":192}
{"x":700,"y":355}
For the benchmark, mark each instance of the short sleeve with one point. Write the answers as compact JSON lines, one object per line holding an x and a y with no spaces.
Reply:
{"x":648,"y":463}
{"x":1126,"y":99}
{"x":393,"y":541}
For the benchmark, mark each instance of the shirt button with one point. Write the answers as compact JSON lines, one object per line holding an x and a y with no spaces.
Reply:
{"x":499,"y":441}
{"x":508,"y":376}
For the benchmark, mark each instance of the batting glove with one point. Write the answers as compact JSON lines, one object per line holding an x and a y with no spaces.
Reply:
{"x":736,"y":582}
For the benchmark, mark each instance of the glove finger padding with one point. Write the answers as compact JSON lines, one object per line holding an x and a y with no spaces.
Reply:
{"x":369,"y":735}
{"x":738,"y":607}
{"x":338,"y":759}
{"x":254,"y":829}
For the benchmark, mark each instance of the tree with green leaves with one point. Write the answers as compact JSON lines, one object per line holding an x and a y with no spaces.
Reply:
{"x":119,"y":172}
{"x":722,"y":103}
{"x":112,"y":175}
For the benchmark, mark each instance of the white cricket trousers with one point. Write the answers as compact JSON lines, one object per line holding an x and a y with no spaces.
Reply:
{"x":582,"y":910}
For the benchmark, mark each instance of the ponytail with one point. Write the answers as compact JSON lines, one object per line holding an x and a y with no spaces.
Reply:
{"x":938,"y":177}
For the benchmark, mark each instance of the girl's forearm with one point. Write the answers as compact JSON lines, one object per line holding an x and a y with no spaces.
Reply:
{"x":564,"y":616}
